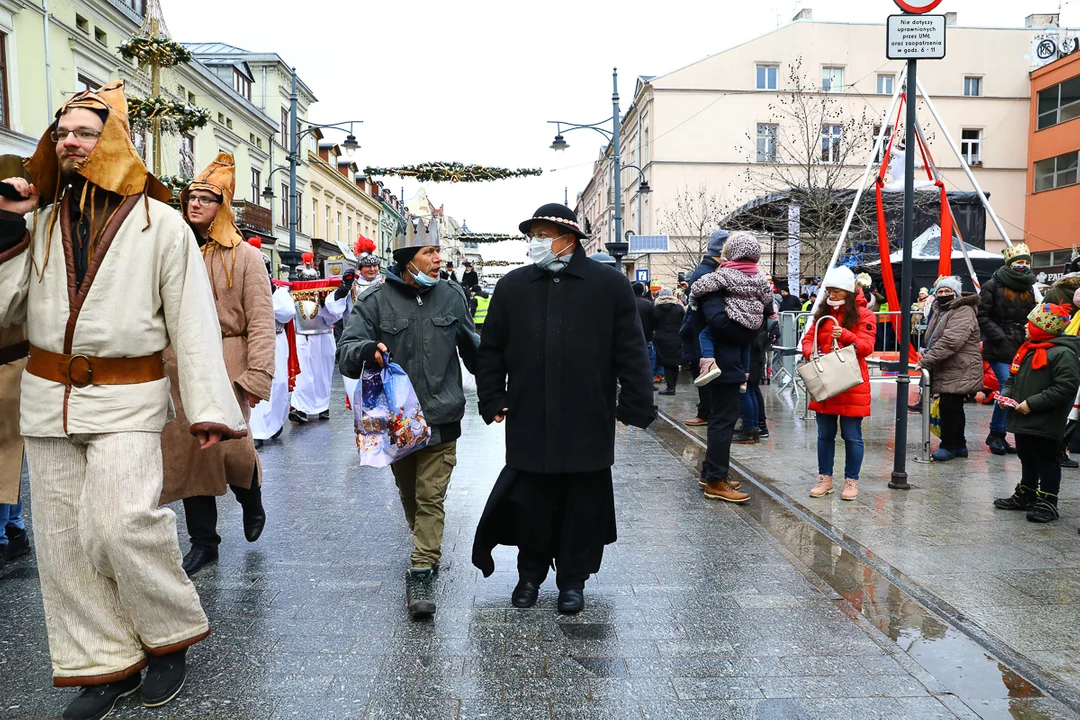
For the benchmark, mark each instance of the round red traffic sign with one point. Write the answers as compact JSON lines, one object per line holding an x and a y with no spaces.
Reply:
{"x":917,"y":7}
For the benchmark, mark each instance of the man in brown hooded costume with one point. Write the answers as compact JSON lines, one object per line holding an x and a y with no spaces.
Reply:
{"x":106,"y":276}
{"x":246,"y":314}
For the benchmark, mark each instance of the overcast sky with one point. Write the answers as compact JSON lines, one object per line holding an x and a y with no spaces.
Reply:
{"x":476,"y":80}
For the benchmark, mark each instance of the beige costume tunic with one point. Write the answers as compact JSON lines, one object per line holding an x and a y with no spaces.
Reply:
{"x":11,"y":442}
{"x":245,"y":312}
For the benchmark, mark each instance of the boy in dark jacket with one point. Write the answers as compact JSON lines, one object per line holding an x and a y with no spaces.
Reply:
{"x":1042,"y":385}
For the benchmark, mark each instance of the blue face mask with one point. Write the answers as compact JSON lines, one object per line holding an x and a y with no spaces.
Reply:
{"x":423,"y":279}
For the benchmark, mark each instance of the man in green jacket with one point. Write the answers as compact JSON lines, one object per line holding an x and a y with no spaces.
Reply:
{"x":424,"y":323}
{"x":1039,"y":393}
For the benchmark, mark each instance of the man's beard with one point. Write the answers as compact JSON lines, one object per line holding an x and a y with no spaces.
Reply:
{"x":70,"y":166}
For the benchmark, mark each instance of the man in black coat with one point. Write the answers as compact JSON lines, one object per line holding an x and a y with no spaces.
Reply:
{"x":788,"y":302}
{"x":560,"y":333}
{"x":694,"y":323}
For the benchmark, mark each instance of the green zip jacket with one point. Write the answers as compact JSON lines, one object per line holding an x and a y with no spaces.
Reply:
{"x":1049,"y":391}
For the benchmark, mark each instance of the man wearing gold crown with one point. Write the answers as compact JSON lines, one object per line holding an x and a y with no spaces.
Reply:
{"x":315,"y":318}
{"x":424,"y":322}
{"x":245,"y":313}
{"x":106,"y":276}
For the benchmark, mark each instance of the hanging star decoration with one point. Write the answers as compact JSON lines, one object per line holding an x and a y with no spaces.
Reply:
{"x":451,"y":172}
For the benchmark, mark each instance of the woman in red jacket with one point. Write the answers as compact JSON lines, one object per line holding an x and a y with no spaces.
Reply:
{"x":848,"y":322}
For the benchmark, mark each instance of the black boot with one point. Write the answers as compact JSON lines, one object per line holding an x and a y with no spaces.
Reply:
{"x":418,"y":593}
{"x":254,"y":517}
{"x":525,"y":594}
{"x":94,"y":702}
{"x":746,"y":436}
{"x":1022,"y":499}
{"x":18,"y":542}
{"x":165,"y":676}
{"x":996,"y":441}
{"x":1044,"y":510}
{"x":197,"y":558}
{"x":1066,"y":461}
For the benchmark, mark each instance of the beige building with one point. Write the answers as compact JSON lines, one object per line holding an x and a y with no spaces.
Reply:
{"x":343,"y":205}
{"x":702,"y":130}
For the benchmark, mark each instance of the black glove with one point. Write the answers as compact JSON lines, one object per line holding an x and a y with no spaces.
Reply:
{"x":346,"y":283}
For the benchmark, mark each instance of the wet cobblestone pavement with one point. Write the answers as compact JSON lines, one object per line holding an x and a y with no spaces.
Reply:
{"x":701,"y":610}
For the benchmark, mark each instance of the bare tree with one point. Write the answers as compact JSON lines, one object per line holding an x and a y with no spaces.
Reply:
{"x":689,"y":220}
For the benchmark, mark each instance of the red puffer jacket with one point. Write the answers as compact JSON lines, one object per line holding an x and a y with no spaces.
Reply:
{"x":856,"y":401}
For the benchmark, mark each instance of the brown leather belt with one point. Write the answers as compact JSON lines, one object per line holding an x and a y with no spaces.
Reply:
{"x":11,"y":353}
{"x":82,"y":370}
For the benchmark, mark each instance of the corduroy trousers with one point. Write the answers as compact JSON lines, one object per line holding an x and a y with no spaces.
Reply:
{"x":108,"y":557}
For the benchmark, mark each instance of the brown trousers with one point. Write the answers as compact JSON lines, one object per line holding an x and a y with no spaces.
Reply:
{"x":422,"y":479}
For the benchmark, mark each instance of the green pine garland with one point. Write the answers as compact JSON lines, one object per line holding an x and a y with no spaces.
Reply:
{"x":175,"y":116}
{"x":160,"y":51}
{"x":451,"y":172}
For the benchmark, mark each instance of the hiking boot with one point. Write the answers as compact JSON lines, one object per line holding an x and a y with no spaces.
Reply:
{"x":95,"y":702}
{"x":722,"y":490}
{"x":1044,"y":510}
{"x":823,"y":487}
{"x":703,"y":483}
{"x":851,"y":489}
{"x":746,"y":437}
{"x":165,"y":675}
{"x":1021,"y":499}
{"x":418,"y":592}
{"x":996,"y":442}
{"x":709,"y":372}
{"x":18,"y":542}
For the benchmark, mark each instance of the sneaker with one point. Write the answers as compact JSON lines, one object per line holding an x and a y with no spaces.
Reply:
{"x":722,"y":490}
{"x":325,"y":414}
{"x":1044,"y":510}
{"x":851,"y":489}
{"x":709,"y":372}
{"x":18,"y":542}
{"x":298,"y":416}
{"x":95,"y":702}
{"x":1021,"y":499}
{"x":418,"y":594}
{"x":823,"y":487}
{"x":763,"y":432}
{"x":165,"y":675}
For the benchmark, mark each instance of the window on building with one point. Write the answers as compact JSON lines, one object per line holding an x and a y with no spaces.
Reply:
{"x":241,"y":84}
{"x":284,"y":127}
{"x":880,"y":154}
{"x":348,"y":235}
{"x":885,"y":84}
{"x":256,"y":186}
{"x":971,"y":146}
{"x":187,"y":155}
{"x":284,"y":205}
{"x":314,"y":215}
{"x":327,"y":234}
{"x":766,"y":77}
{"x":645,"y":154}
{"x":82,"y":23}
{"x":1059,"y":103}
{"x":832,"y":138}
{"x":1056,"y":172}
{"x":973,"y":86}
{"x":767,"y":134}
{"x":101,"y":36}
{"x":5,"y":115}
{"x":832,"y":79}
{"x":338,"y":228}
{"x":299,"y":212}
{"x":84,"y":82}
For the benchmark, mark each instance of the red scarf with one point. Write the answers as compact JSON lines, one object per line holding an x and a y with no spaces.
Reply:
{"x":1038,"y":344}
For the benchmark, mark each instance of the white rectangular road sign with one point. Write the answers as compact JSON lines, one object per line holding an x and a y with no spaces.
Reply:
{"x":916,"y":37}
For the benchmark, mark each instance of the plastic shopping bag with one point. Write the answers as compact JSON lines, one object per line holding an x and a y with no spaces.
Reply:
{"x":935,"y":416}
{"x":388,"y":419}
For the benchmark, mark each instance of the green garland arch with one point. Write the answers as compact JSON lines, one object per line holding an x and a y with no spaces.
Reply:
{"x":451,"y":172}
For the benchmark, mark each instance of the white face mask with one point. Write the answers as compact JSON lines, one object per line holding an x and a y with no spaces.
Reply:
{"x":836,"y":303}
{"x":542,"y":256}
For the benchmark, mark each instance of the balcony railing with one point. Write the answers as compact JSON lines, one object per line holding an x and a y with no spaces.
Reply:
{"x":253,"y":217}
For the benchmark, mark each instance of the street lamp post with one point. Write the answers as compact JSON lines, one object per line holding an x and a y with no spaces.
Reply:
{"x":619,"y":248}
{"x":291,"y":257}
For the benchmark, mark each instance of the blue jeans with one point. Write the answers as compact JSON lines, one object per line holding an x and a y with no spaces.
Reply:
{"x":708,"y":350}
{"x":851,"y":432}
{"x":750,"y":407}
{"x":997,"y":420}
{"x":10,"y":515}
{"x":657,"y":371}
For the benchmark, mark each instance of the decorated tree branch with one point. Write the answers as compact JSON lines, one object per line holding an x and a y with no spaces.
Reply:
{"x":451,"y":172}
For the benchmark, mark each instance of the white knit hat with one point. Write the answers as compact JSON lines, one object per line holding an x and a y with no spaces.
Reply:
{"x":948,"y":281}
{"x":840,"y":278}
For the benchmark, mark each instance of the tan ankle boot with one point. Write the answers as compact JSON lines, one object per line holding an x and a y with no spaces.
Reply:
{"x":851,"y":489}
{"x":823,"y":487}
{"x":722,"y":490}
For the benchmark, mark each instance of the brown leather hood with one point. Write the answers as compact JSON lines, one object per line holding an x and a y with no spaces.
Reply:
{"x":219,"y":178}
{"x":113,"y":165}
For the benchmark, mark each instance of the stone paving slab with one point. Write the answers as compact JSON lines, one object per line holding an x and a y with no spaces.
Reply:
{"x":1017,"y":580}
{"x":697,"y":612}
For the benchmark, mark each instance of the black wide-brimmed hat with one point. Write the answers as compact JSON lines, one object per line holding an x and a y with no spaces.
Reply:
{"x":561,"y":215}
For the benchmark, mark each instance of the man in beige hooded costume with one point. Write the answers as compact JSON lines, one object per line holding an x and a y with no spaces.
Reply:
{"x":246,"y":314}
{"x":105,"y":276}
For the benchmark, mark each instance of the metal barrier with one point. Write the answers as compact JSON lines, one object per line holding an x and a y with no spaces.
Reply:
{"x":924,"y":389}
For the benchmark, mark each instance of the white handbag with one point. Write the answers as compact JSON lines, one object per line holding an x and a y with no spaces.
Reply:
{"x":829,"y":375}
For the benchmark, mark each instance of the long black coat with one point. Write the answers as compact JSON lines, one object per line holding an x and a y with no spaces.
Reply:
{"x":668,"y":316}
{"x":645,"y":314}
{"x":1002,"y":321}
{"x":553,"y":347}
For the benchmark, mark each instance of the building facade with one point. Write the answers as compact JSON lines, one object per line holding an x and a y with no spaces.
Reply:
{"x":342,"y":205}
{"x":699,"y":132}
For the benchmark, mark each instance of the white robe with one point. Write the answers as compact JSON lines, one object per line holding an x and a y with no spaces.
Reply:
{"x":359,"y":288}
{"x":311,"y":395}
{"x":269,"y":416}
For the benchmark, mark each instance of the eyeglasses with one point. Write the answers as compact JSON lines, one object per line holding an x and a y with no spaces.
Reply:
{"x":202,"y":200}
{"x":81,"y":134}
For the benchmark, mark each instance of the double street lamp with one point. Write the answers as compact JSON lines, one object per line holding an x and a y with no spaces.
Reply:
{"x":291,"y":257}
{"x":619,"y":248}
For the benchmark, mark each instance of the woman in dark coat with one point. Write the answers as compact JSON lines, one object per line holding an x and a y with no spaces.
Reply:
{"x":953,"y":359}
{"x":667,"y":320}
{"x":1004,"y":303}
